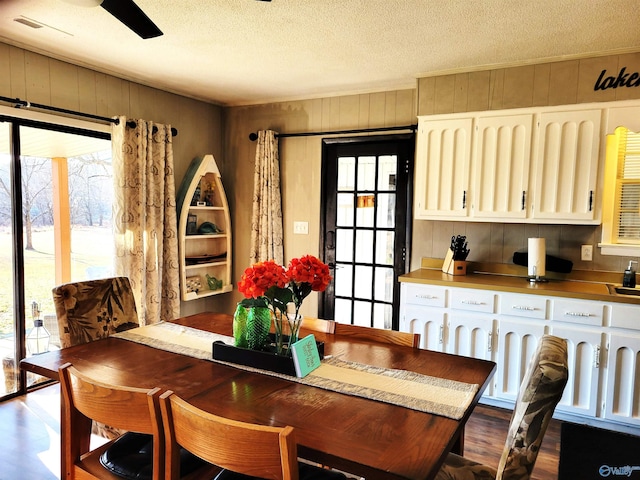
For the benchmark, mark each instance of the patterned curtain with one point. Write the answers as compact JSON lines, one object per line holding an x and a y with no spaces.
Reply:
{"x":266,"y":221}
{"x":145,"y":225}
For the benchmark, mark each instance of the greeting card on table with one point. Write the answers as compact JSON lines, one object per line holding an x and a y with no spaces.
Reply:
{"x":305,"y":355}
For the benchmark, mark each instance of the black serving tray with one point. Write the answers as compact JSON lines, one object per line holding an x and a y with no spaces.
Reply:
{"x":262,"y":359}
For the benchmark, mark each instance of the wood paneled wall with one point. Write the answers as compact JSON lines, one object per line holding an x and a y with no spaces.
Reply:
{"x":558,"y":83}
{"x":41,"y":79}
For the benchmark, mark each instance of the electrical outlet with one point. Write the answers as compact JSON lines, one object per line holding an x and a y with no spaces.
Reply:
{"x":587,"y":253}
{"x":301,"y":228}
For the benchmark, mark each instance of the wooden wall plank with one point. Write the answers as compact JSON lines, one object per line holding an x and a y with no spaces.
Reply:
{"x":87,"y":98}
{"x":349,"y":112}
{"x":518,"y":87}
{"x":377,"y":109}
{"x":426,"y":95}
{"x":541,"y":85}
{"x":5,"y":68}
{"x":363,"y":111}
{"x":563,"y":83}
{"x":478,"y":96}
{"x":444,"y":94}
{"x":18,"y":75}
{"x":461,"y":92}
{"x":406,"y":107}
{"x":64,"y":85}
{"x":38,"y":79}
{"x":496,"y":89}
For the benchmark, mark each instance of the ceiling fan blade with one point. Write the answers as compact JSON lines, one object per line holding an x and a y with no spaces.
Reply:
{"x":132,"y":16}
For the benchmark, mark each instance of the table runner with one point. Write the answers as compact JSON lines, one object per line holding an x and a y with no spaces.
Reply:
{"x":448,"y":398}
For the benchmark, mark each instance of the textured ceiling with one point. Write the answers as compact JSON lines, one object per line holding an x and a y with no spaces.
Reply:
{"x":238,"y":52}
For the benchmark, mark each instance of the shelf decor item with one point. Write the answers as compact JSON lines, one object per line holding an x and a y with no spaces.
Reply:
{"x":270,"y":285}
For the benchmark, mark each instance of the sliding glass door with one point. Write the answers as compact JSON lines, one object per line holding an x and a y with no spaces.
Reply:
{"x":55,"y":227}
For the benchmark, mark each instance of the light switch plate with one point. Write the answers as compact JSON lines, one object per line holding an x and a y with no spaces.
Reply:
{"x":301,"y":228}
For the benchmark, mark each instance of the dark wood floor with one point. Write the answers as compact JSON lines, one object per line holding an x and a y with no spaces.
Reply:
{"x":30,"y":438}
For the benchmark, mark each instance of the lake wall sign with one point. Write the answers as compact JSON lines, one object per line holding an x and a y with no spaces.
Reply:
{"x":622,"y":80}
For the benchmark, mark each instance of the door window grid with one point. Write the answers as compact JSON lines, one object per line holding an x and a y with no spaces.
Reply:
{"x":364,"y":284}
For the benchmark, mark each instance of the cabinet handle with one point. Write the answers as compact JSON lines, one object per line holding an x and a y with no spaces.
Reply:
{"x":590,"y":200}
{"x":471,"y":302}
{"x":428,"y":297}
{"x":441,"y":334}
{"x":524,"y":196}
{"x":523,"y":307}
{"x":490,"y":345}
{"x":577,"y":314}
{"x":596,"y":357}
{"x":464,"y":199}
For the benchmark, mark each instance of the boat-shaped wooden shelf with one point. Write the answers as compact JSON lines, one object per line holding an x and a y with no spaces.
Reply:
{"x":204,"y":230}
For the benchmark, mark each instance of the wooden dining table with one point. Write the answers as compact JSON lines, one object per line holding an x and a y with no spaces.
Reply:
{"x":369,"y":438}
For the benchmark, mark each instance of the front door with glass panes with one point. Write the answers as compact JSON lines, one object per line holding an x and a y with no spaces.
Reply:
{"x":366,"y":199}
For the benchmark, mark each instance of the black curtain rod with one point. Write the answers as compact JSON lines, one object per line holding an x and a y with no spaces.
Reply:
{"x":23,"y":103}
{"x":254,"y":136}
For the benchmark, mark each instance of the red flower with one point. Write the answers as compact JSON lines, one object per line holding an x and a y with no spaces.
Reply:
{"x":309,"y":269}
{"x":261,"y":276}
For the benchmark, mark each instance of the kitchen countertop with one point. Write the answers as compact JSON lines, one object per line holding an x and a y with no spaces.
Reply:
{"x":586,"y":290}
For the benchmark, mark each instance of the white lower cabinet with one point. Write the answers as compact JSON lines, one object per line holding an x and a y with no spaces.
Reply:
{"x":517,"y":342}
{"x":622,"y":402}
{"x":603,"y":340}
{"x":586,"y":351}
{"x":428,"y":322}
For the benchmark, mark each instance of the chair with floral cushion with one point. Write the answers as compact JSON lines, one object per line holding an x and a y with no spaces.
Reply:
{"x":92,"y":310}
{"x":539,"y":393}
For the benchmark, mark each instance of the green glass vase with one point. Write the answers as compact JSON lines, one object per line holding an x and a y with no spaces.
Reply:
{"x":258,"y":324}
{"x":240,"y":326}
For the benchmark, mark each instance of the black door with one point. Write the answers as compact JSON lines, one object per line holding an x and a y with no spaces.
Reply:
{"x":366,"y":202}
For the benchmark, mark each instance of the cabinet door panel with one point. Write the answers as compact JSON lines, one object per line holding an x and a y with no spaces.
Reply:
{"x":623,"y":380}
{"x":567,"y":165}
{"x":428,"y":322}
{"x":501,"y":166}
{"x":585,"y":348}
{"x":517,"y":342}
{"x":470,"y":336}
{"x":443,"y":154}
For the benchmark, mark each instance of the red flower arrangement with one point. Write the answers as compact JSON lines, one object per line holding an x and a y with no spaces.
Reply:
{"x":267,"y":284}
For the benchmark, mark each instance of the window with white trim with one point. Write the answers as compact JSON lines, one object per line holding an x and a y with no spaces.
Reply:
{"x":621,"y":199}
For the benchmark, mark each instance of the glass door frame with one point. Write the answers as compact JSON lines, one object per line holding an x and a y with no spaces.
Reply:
{"x":405,"y":144}
{"x":17,"y":225}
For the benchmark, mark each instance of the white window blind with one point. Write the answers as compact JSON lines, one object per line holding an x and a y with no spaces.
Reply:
{"x":628,"y":187}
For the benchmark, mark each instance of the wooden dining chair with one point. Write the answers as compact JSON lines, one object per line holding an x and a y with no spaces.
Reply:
{"x":378,"y":335}
{"x":240,"y":449}
{"x":318,"y":325}
{"x":134,"y":409}
{"x":540,"y":392}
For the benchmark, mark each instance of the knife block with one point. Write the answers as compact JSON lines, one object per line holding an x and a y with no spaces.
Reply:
{"x":453,"y":267}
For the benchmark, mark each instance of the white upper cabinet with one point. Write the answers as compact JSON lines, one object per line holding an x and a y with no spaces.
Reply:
{"x":501,"y":166}
{"x":443,"y":153}
{"x":567,"y":154}
{"x":534,"y":165}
